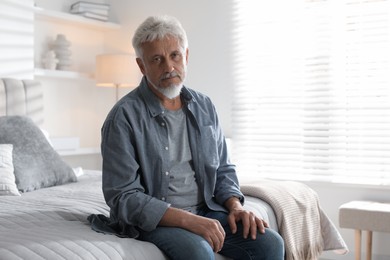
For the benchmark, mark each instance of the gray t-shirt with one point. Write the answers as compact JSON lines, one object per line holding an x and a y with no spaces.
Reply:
{"x":183,"y":189}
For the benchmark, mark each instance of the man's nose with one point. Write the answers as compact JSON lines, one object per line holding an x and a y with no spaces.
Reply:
{"x":169,"y":66}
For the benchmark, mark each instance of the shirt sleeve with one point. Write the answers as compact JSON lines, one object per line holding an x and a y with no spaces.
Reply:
{"x":227,"y":184}
{"x":122,"y":182}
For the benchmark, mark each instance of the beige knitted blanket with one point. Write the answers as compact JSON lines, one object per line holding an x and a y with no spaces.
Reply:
{"x":306,"y":230}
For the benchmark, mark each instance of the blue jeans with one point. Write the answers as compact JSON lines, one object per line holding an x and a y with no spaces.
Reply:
{"x":179,"y":243}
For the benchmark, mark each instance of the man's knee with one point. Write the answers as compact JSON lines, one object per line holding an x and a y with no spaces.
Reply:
{"x":268,"y":246}
{"x":178,"y":243}
{"x":202,"y":251}
{"x":272,"y":246}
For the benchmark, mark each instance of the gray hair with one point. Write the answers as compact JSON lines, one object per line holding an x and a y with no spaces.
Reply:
{"x":156,"y":28}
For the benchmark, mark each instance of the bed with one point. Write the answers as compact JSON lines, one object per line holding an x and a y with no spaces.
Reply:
{"x":44,"y":204}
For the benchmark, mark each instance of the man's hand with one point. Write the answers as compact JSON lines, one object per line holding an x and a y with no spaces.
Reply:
{"x":250,"y":222}
{"x":210,"y":229}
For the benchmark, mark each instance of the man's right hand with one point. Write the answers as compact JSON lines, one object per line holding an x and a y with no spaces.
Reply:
{"x":210,"y":229}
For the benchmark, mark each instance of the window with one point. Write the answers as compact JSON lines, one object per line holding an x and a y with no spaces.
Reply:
{"x":16,"y":39}
{"x":312,"y":90}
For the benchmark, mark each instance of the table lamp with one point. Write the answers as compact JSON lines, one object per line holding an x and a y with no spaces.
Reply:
{"x":117,"y":70}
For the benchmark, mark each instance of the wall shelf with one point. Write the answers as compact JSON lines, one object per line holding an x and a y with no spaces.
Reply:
{"x":67,"y":18}
{"x":38,"y":72}
{"x":80,"y":151}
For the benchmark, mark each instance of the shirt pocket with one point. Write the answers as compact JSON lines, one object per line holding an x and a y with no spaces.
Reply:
{"x":209,"y":147}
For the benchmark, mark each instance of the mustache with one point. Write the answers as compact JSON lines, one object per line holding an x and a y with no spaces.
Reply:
{"x":170,"y":75}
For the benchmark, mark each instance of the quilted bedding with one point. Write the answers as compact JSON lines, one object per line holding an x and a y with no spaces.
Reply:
{"x":51,"y":223}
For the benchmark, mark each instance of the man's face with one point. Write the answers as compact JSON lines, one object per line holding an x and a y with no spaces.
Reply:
{"x":164,"y":64}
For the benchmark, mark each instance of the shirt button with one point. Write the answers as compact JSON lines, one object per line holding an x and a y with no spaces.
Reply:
{"x":163,"y":198}
{"x":166,"y":173}
{"x":166,"y":148}
{"x":162,"y":124}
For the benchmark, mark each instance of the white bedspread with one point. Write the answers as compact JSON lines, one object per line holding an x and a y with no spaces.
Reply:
{"x":52,"y":223}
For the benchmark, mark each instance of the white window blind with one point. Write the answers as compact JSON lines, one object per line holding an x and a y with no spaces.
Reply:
{"x":312,"y":90}
{"x":17,"y":39}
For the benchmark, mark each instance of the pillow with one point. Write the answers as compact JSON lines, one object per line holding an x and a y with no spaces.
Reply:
{"x":7,"y":177}
{"x":36,"y":164}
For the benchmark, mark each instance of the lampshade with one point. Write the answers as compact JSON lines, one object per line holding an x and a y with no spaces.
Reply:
{"x":117,"y":70}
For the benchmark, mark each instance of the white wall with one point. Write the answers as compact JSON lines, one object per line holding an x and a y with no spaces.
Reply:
{"x":73,"y":107}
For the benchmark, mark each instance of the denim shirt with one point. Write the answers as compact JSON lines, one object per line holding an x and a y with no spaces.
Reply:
{"x":136,"y":157}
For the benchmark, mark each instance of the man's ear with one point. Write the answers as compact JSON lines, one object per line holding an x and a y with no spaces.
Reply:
{"x":141,"y":65}
{"x":187,"y":52}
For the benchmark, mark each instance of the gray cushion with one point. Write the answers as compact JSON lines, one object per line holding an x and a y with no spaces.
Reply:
{"x":36,"y":164}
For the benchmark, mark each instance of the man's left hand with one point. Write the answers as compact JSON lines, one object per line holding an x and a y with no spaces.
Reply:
{"x":250,"y":222}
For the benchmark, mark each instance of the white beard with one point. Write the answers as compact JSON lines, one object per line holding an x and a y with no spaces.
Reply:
{"x":172,"y":91}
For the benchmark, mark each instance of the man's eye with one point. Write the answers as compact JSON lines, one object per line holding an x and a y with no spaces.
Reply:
{"x":176,"y":56}
{"x":157,"y":59}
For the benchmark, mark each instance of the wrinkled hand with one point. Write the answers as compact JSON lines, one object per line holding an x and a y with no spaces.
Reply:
{"x":251,"y":223}
{"x":209,"y":229}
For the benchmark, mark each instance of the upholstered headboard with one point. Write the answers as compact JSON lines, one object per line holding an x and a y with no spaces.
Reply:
{"x":21,"y":97}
